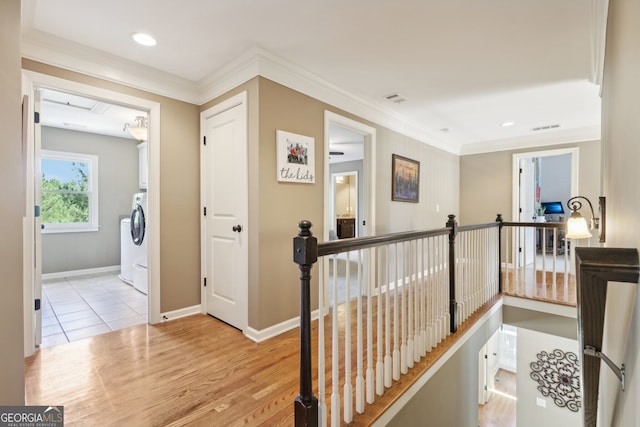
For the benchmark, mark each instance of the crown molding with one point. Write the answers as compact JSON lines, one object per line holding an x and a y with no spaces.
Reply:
{"x":73,"y":56}
{"x":258,"y":61}
{"x":566,"y":136}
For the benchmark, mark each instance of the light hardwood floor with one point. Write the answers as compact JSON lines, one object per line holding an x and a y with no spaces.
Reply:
{"x":500,"y":410}
{"x":191,"y":371}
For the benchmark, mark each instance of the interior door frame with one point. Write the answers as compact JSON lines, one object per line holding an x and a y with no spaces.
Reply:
{"x":235,"y":101}
{"x":369,"y":189}
{"x":369,"y":177}
{"x":356,"y":213}
{"x":32,"y":80}
{"x":574,"y":151}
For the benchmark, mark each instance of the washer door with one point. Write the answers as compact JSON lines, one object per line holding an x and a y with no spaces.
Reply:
{"x":137,"y":225}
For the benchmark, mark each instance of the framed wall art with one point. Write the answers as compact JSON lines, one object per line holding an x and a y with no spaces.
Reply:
{"x":405,"y":179}
{"x":296,"y":160}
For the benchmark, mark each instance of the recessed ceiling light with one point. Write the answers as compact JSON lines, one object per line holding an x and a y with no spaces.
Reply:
{"x":507,"y":124}
{"x":446,"y":130}
{"x":143,"y":39}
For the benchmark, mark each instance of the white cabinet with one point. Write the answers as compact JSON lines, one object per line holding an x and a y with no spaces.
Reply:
{"x":143,"y":166}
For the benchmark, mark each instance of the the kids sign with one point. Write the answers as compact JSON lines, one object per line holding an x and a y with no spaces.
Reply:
{"x":296,"y":160}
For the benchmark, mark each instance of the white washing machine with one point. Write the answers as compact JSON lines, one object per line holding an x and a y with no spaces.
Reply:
{"x":139,"y":238}
{"x":127,"y":249}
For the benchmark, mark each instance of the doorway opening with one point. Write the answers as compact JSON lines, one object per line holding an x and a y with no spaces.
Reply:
{"x":542,"y":179}
{"x":349,"y":193}
{"x":497,"y":371}
{"x":85,"y":295}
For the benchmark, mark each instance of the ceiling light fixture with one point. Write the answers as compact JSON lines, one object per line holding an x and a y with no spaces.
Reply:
{"x":507,"y":124}
{"x":139,"y":131}
{"x":143,"y":39}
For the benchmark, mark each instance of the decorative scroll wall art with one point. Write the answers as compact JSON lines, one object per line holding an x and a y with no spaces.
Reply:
{"x":296,"y":160}
{"x":558,"y":377}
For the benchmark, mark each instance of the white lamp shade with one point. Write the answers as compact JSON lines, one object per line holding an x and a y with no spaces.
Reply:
{"x":577,"y":227}
{"x":139,"y":133}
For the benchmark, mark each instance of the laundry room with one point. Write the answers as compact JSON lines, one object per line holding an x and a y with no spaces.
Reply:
{"x":93,"y":206}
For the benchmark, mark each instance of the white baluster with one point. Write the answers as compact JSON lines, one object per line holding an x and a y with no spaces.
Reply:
{"x":348,"y":386}
{"x":409,"y":309}
{"x":419,"y":312}
{"x":380,"y":365}
{"x":335,"y":355}
{"x":359,"y":343}
{"x":388,"y":361}
{"x":322,"y":405}
{"x":396,"y":323}
{"x":369,"y":380}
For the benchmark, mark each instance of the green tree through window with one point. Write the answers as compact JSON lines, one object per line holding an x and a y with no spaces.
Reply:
{"x":68,"y":201}
{"x":65,"y":200}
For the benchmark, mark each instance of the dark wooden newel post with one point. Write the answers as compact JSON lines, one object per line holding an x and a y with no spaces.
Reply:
{"x":453,"y":305}
{"x":305,"y":254}
{"x":499,"y":219}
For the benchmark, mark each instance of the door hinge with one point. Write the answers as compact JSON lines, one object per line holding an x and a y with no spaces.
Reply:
{"x":520,"y":210}
{"x":485,"y":388}
{"x":486,"y":356}
{"x":36,"y":211}
{"x":36,"y":117}
{"x":205,"y":211}
{"x":37,"y":304}
{"x":205,"y":282}
{"x":204,"y":140}
{"x":520,"y":170}
{"x":519,"y":250}
{"x":364,"y":222}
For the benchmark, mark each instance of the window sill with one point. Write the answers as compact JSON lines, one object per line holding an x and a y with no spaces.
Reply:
{"x":55,"y":229}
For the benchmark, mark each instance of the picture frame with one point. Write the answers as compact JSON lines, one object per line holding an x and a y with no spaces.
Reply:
{"x":296,"y":158}
{"x":405,"y":179}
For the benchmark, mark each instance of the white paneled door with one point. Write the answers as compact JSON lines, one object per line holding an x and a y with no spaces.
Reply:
{"x":225,"y":206}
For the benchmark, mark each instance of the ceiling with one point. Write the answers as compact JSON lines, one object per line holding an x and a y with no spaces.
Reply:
{"x":462,"y":67}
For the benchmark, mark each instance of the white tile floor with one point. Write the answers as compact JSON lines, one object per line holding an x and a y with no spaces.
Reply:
{"x":79,"y":307}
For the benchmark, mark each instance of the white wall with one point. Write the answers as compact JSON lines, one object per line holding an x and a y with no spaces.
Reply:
{"x":555,"y":179}
{"x":621,"y":174}
{"x":529,"y":412}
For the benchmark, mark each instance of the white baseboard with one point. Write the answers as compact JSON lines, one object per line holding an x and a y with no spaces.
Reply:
{"x":272,"y":331}
{"x":72,"y":273}
{"x":181,"y":312}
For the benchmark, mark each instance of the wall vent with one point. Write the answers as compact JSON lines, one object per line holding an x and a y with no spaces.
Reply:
{"x":547,"y":127}
{"x":394,"y":97}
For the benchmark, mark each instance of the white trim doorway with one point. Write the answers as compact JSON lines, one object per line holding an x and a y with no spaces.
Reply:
{"x":366,"y":225}
{"x":369,"y":134}
{"x":31,"y":81}
{"x":574,"y":152}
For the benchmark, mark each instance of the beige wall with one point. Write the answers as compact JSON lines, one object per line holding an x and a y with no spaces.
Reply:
{"x":275,"y":208}
{"x":179,"y":189}
{"x":621,"y":174}
{"x":13,"y":208}
{"x":486,"y":181}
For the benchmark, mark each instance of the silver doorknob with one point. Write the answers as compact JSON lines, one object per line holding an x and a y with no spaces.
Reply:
{"x":237,"y":228}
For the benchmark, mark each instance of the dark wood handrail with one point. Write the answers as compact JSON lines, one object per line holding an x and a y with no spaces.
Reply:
{"x":598,"y":268}
{"x":535,"y":224}
{"x":346,"y":245}
{"x":307,"y":250}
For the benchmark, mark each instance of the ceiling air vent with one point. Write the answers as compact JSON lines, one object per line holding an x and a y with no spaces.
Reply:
{"x":394,"y":97}
{"x":547,"y":127}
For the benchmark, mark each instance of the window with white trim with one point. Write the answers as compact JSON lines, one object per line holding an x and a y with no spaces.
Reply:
{"x":69,"y":192}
